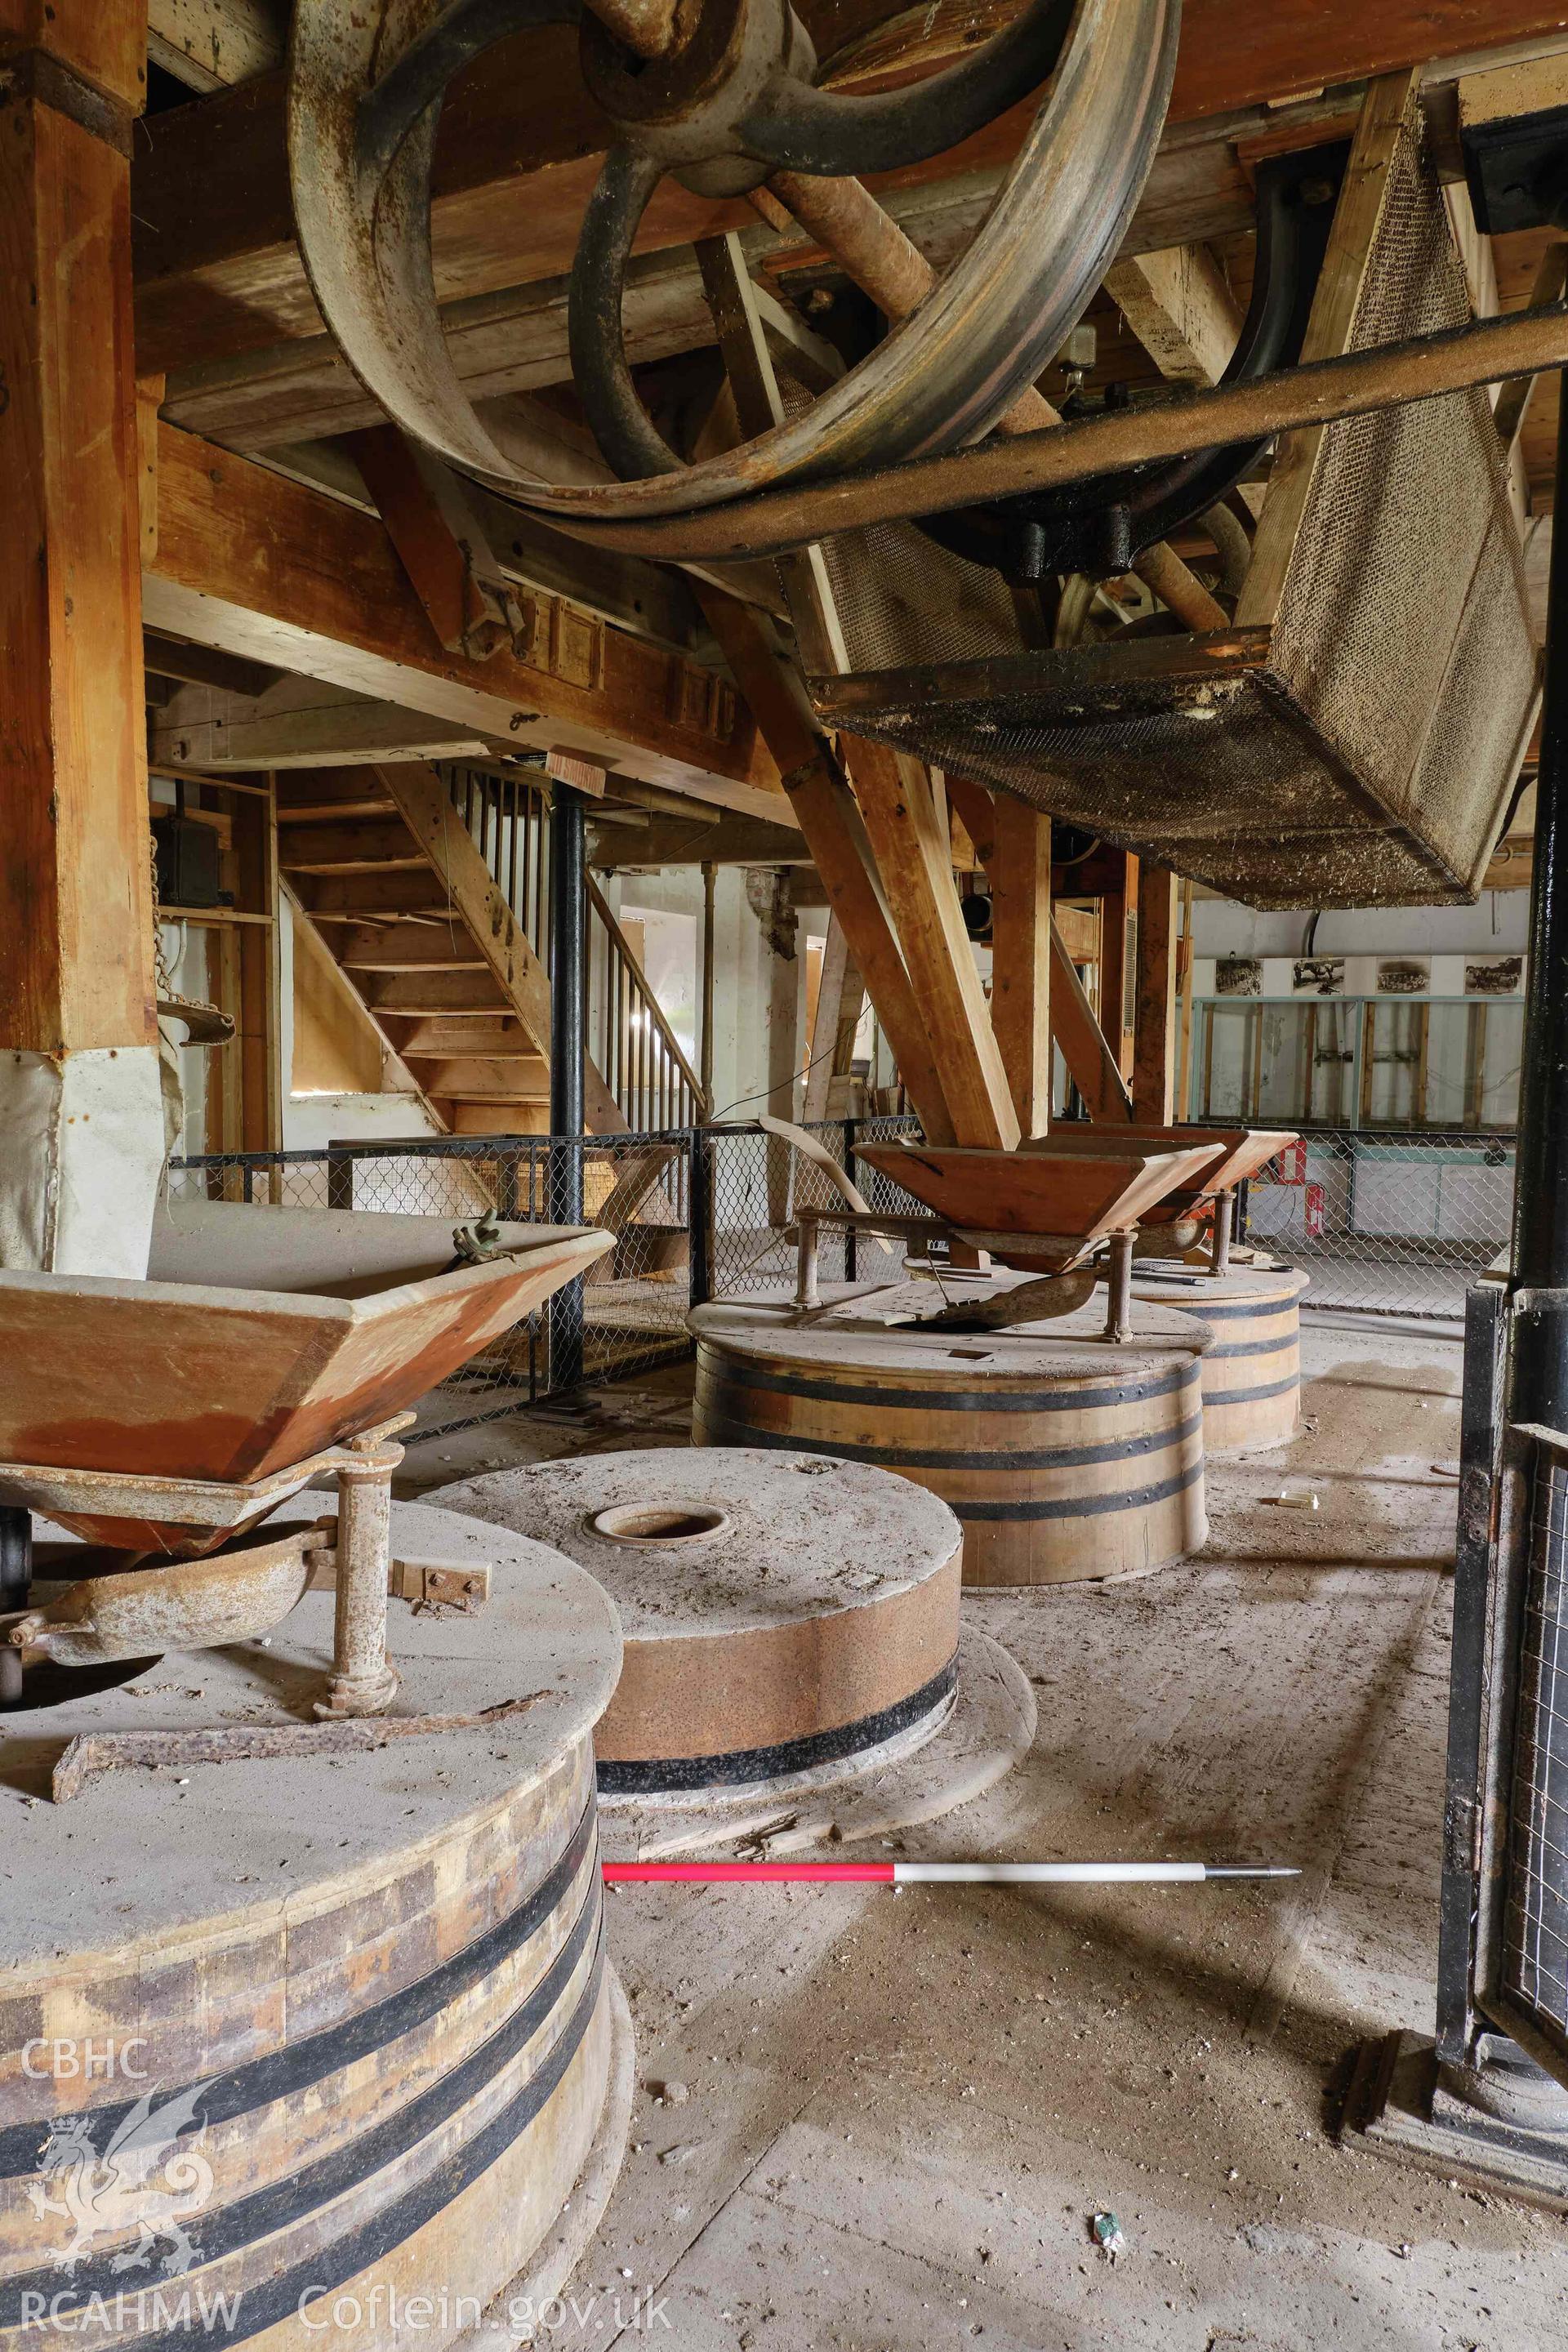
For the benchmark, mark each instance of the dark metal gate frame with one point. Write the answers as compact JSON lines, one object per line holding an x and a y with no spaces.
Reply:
{"x":1489,"y":2094}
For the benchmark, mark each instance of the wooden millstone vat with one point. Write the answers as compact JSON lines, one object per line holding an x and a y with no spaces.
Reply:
{"x":1063,"y":1456}
{"x":784,"y":1615}
{"x":1252,"y":1369}
{"x":310,"y":2035}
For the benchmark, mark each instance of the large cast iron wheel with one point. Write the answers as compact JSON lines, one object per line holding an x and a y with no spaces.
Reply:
{"x":734,"y":101}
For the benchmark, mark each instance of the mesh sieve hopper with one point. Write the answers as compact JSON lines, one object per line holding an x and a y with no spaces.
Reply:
{"x":1353,"y":740}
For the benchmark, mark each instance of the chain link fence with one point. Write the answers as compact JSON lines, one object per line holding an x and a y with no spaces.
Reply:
{"x":1395,"y":1224}
{"x":758,"y":1181}
{"x":696,"y":1213}
{"x":629,"y":1308}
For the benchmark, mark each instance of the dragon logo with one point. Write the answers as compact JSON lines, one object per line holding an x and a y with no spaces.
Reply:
{"x":149,"y":2180}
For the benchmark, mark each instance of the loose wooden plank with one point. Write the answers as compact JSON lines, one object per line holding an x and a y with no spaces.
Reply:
{"x":350,"y":897}
{"x":365,"y":847}
{"x":409,"y":947}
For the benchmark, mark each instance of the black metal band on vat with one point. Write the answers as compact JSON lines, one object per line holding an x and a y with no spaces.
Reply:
{"x":261,"y":2081}
{"x":726,"y":1432}
{"x":253,"y":2309}
{"x":1086,"y":1507}
{"x":743,"y":1767}
{"x":923,"y":1400}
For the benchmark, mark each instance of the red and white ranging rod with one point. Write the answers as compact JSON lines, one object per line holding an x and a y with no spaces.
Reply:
{"x":944,"y":1873}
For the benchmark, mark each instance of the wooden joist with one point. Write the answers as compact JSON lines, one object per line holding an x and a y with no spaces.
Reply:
{"x":688,"y":841}
{"x":910,"y":848}
{"x":213,"y":43}
{"x":520,"y":147}
{"x":1155,"y":1037}
{"x":298,"y":722}
{"x":1180,"y":308}
{"x":276,"y":572}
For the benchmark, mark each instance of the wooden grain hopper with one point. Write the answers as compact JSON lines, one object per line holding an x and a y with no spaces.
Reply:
{"x":260,"y":1337}
{"x":1044,"y":1209}
{"x":1243,"y":1151}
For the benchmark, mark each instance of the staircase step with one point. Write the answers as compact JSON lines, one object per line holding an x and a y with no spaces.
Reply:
{"x":307,"y":800}
{"x":371,"y":847}
{"x":439,"y":1040}
{"x":410,"y":947}
{"x":488,"y":1082}
{"x":348,"y":897}
{"x":435,"y":992}
{"x":496,"y":1117}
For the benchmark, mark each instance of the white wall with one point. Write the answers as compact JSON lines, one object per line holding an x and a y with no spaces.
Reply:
{"x":741,"y":960}
{"x":1497,"y":924}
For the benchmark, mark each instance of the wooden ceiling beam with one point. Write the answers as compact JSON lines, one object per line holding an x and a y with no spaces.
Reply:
{"x":200,"y":665}
{"x":519,"y":148}
{"x":689,"y":841}
{"x":267,"y":569}
{"x":1180,"y":308}
{"x":299,"y":723}
{"x":213,"y":43}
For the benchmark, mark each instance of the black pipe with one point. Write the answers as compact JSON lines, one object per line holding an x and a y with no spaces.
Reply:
{"x":568,"y":977}
{"x":16,"y":1580}
{"x":1540,"y":1383}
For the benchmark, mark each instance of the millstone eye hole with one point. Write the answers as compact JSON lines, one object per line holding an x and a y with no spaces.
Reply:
{"x":659,"y":1525}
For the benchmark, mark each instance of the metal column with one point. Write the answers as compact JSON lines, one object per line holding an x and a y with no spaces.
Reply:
{"x":705,"y":1068}
{"x":568,"y":985}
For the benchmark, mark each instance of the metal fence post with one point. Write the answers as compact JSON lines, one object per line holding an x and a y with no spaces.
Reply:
{"x":568,"y":925}
{"x":851,"y":1246}
{"x":506,"y":1185}
{"x":699,"y":1199}
{"x":339,"y":1177}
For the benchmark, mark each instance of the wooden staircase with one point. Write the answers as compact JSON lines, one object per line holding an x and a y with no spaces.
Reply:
{"x":430,"y":888}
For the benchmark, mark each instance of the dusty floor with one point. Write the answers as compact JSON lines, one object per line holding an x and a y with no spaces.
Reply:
{"x":902,"y":2112}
